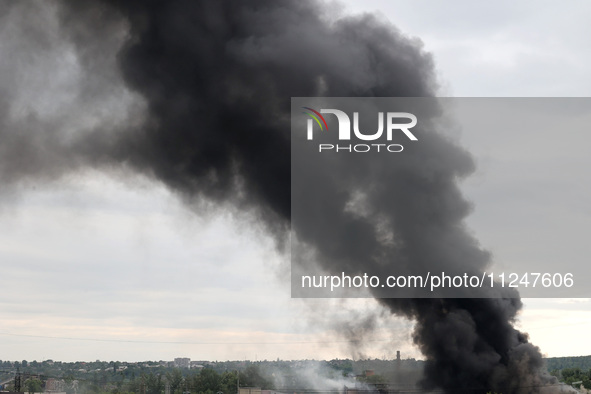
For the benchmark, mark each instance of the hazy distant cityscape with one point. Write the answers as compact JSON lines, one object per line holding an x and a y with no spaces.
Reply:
{"x":185,"y":376}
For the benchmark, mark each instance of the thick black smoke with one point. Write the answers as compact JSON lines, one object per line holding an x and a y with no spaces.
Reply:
{"x":217,"y":78}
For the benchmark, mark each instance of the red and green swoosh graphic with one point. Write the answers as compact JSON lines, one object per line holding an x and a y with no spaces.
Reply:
{"x":316,"y":116}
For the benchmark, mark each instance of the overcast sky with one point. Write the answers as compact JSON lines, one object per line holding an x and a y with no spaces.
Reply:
{"x":102,"y":267}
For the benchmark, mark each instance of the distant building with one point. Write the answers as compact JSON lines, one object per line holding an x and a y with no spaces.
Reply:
{"x":182,"y":362}
{"x":250,"y":390}
{"x":273,"y":392}
{"x":55,"y":385}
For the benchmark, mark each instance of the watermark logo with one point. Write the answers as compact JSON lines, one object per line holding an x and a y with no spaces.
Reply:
{"x":314,"y":115}
{"x":391,"y":120}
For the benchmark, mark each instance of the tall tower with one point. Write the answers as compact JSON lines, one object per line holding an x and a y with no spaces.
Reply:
{"x":17,"y":380}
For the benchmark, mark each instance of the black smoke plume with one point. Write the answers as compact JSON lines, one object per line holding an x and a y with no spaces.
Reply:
{"x":217,"y":78}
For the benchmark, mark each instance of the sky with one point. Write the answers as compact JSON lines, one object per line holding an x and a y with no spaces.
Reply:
{"x":111,"y":267}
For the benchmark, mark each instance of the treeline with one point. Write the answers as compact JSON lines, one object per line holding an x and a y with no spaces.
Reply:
{"x":175,"y":381}
{"x":571,"y":369}
{"x":571,"y":375}
{"x":558,"y":363}
{"x":105,"y":372}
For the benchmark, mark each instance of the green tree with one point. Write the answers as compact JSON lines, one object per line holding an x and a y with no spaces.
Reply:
{"x":209,"y":380}
{"x":134,"y":385}
{"x":253,"y":377}
{"x":33,"y":385}
{"x":228,"y":382}
{"x":175,"y":380}
{"x":154,"y":384}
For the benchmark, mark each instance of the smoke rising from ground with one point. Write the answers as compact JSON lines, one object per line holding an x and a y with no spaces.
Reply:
{"x":198,"y":97}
